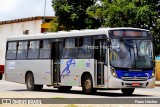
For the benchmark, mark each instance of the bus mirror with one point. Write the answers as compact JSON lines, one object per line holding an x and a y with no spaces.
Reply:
{"x":108,"y":42}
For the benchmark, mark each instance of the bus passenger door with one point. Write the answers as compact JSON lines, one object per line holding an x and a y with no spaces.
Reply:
{"x":56,"y":54}
{"x":99,"y":55}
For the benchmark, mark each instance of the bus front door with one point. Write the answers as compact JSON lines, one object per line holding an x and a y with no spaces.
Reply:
{"x":99,"y":55}
{"x":56,"y":54}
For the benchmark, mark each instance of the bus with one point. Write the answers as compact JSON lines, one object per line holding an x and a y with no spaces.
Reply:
{"x":95,"y":59}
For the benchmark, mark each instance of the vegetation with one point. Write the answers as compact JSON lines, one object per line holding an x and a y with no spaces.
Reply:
{"x":71,"y":14}
{"x":82,"y":14}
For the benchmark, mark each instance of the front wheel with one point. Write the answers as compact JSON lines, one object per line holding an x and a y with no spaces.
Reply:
{"x":127,"y":91}
{"x":87,"y":85}
{"x":30,"y":83}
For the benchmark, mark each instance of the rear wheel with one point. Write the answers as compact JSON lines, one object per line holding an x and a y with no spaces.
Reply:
{"x":64,"y":88}
{"x":87,"y":85}
{"x":30,"y":83}
{"x":1,"y":76}
{"x":127,"y":91}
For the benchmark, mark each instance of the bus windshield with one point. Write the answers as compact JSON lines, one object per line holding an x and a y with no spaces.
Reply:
{"x":131,"y":53}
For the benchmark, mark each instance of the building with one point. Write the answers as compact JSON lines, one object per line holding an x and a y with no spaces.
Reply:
{"x":19,"y":27}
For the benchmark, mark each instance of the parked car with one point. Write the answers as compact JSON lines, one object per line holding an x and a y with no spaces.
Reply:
{"x":1,"y":71}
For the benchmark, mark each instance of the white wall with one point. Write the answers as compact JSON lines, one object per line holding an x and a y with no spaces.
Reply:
{"x":16,"y":29}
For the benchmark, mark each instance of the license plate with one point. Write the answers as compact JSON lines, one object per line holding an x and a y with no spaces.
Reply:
{"x":135,"y":84}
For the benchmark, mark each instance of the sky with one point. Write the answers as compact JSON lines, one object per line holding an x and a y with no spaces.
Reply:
{"x":16,"y":9}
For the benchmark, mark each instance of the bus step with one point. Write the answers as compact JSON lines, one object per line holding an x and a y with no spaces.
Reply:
{"x":56,"y":85}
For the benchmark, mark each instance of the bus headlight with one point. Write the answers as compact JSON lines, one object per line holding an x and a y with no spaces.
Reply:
{"x":113,"y":72}
{"x":153,"y":73}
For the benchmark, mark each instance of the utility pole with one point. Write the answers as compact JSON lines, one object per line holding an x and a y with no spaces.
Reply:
{"x":44,"y":11}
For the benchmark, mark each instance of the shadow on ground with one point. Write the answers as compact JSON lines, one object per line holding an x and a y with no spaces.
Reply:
{"x":99,"y":93}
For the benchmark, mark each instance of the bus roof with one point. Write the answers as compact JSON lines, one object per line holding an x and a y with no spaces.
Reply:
{"x":72,"y":33}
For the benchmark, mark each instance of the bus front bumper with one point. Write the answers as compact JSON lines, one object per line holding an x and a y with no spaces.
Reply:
{"x":118,"y":83}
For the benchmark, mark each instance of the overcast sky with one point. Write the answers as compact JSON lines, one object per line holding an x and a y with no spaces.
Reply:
{"x":14,"y":9}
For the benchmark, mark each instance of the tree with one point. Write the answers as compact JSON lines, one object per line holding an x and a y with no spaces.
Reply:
{"x":71,"y":14}
{"x":119,"y":13}
{"x":129,"y":13}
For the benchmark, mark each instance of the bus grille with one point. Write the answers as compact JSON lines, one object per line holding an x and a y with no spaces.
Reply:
{"x":134,"y":78}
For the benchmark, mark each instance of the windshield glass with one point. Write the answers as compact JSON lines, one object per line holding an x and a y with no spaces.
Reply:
{"x":129,"y":53}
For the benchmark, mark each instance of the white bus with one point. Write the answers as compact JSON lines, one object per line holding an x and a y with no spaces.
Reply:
{"x":105,"y":58}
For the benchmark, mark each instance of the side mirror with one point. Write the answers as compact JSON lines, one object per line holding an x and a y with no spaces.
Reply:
{"x":108,"y":42}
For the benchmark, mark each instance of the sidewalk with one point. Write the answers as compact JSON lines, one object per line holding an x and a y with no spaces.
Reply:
{"x":157,"y":83}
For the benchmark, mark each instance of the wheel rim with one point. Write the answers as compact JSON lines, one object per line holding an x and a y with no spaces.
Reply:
{"x":30,"y":82}
{"x":88,"y":84}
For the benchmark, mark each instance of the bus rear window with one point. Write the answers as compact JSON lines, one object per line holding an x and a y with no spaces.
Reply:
{"x":128,"y":33}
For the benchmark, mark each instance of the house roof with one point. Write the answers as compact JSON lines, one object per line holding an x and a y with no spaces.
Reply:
{"x":25,"y":19}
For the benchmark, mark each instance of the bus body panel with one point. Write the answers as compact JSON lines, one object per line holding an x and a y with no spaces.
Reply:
{"x":118,"y":83}
{"x":106,"y":76}
{"x":72,"y":70}
{"x":16,"y":70}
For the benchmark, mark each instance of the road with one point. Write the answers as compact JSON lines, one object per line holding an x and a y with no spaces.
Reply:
{"x":16,"y":90}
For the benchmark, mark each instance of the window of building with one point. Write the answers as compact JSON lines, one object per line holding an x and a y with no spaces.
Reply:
{"x":70,"y":48}
{"x":85,"y":47}
{"x":22,"y":50}
{"x":33,"y":51}
{"x":11,"y":50}
{"x":26,"y":32}
{"x":45,"y":50}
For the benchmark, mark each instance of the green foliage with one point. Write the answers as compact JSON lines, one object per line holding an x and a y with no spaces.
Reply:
{"x":82,"y":14}
{"x":54,"y":24}
{"x":129,"y":13}
{"x":71,"y":14}
{"x":123,"y":13}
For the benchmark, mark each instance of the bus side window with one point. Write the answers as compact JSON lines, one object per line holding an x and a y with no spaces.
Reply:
{"x":22,"y":50}
{"x":70,"y":49}
{"x":45,"y":50}
{"x":84,"y":50}
{"x":11,"y":50}
{"x":33,"y":51}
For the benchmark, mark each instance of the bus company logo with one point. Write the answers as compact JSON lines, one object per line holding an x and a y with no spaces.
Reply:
{"x":66,"y":71}
{"x":6,"y":101}
{"x":135,"y":70}
{"x":147,"y":74}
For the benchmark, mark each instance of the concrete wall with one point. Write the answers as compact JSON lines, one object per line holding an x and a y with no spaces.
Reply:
{"x":16,"y":29}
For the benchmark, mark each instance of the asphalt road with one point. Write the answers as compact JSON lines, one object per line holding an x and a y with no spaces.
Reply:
{"x":16,"y":90}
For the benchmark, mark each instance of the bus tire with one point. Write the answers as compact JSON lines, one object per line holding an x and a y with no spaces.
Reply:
{"x":30,"y":83}
{"x":1,"y":76}
{"x":87,"y":85}
{"x":127,"y":91}
{"x":64,"y":88}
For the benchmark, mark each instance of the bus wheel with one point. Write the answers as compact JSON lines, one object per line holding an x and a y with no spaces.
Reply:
{"x":127,"y":91}
{"x":64,"y":88}
{"x":0,"y":76}
{"x":87,"y":85}
{"x":30,"y":83}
